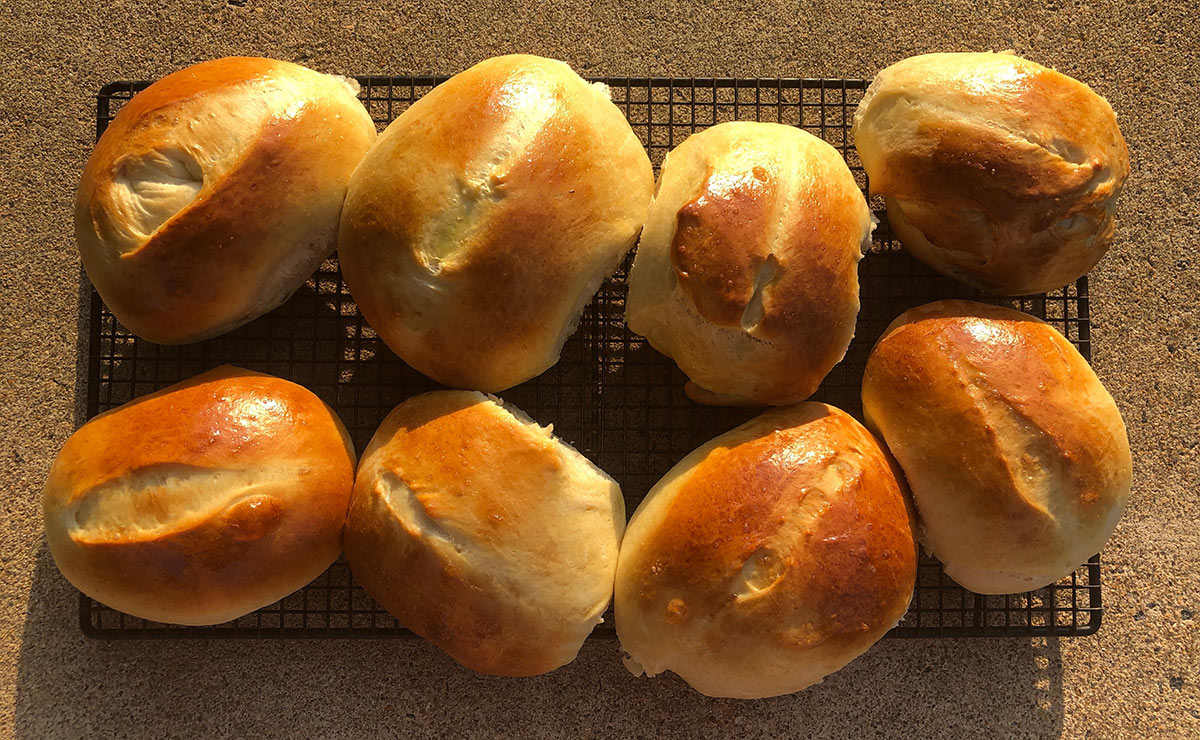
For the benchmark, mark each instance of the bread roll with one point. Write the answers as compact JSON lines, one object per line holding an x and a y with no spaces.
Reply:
{"x":201,"y":502}
{"x":481,"y":532}
{"x":1016,"y":454}
{"x":747,"y":271}
{"x":215,"y":193}
{"x":487,"y":216}
{"x":768,"y":558}
{"x":997,"y":171}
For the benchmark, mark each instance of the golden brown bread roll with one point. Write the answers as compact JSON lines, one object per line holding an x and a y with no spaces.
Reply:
{"x":201,"y":502}
{"x":997,"y":171}
{"x":215,"y":193}
{"x":747,"y":270}
{"x":487,"y":216}
{"x":768,"y":558}
{"x":1015,"y":453}
{"x":481,"y":532}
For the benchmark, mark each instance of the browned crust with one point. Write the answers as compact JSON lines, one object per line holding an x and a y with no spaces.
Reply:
{"x":227,"y":418}
{"x":476,"y":478}
{"x":722,"y":237}
{"x":732,"y":227}
{"x":201,"y":272}
{"x":982,"y":202}
{"x":1017,"y":455}
{"x":912,"y":380}
{"x":848,"y":576}
{"x":968,"y":164}
{"x":752,"y":248}
{"x":498,"y":306}
{"x":211,"y":250}
{"x":452,"y":608}
{"x":815,"y":293}
{"x":521,"y":246}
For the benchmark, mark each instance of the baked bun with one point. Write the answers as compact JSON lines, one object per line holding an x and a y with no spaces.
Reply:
{"x":768,"y":558}
{"x":486,"y":217}
{"x":201,"y":502}
{"x":481,"y":532}
{"x":997,"y":171}
{"x":215,"y":193}
{"x":747,"y":271}
{"x":1015,"y":453}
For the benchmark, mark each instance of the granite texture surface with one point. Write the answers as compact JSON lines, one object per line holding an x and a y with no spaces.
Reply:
{"x":1137,"y":678}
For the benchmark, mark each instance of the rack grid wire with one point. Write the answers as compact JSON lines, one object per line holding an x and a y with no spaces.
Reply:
{"x":614,"y":398}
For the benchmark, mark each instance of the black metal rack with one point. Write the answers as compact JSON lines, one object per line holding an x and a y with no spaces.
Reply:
{"x":619,"y":402}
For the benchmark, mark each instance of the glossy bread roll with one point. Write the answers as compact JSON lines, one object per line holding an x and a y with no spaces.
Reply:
{"x":747,"y":271}
{"x":201,"y":502}
{"x":487,"y":216}
{"x":1015,"y":453}
{"x":997,"y":171}
{"x":768,"y":558}
{"x":215,"y":192}
{"x":481,"y":532}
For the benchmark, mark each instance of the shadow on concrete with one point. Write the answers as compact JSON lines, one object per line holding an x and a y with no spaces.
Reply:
{"x":71,"y":686}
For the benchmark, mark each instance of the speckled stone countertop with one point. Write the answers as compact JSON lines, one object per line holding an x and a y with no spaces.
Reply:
{"x":1137,"y":678}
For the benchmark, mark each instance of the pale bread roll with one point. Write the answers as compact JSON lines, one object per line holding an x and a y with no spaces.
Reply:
{"x":201,"y":502}
{"x":486,"y":217}
{"x":997,"y":171}
{"x":768,"y":558}
{"x":215,"y":193}
{"x":1016,"y":454}
{"x":747,"y":270}
{"x":482,"y":532}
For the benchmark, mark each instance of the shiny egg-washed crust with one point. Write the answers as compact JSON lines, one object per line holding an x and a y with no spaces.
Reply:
{"x":481,"y":532}
{"x":1016,"y":455}
{"x":215,"y":192}
{"x":201,"y":502}
{"x":487,"y":216}
{"x":768,"y":558}
{"x":997,"y":171}
{"x":747,"y":270}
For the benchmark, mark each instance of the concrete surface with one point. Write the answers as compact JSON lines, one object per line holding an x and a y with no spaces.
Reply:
{"x":1137,"y":678}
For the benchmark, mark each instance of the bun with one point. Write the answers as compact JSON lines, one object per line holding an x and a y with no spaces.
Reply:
{"x":768,"y":558}
{"x":997,"y":171}
{"x":201,"y":502}
{"x":215,"y":193}
{"x":747,"y":271}
{"x":487,"y":216}
{"x":1016,"y":454}
{"x":481,"y":532}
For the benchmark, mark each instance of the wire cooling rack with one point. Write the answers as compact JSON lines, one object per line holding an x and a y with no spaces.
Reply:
{"x":613,"y":397}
